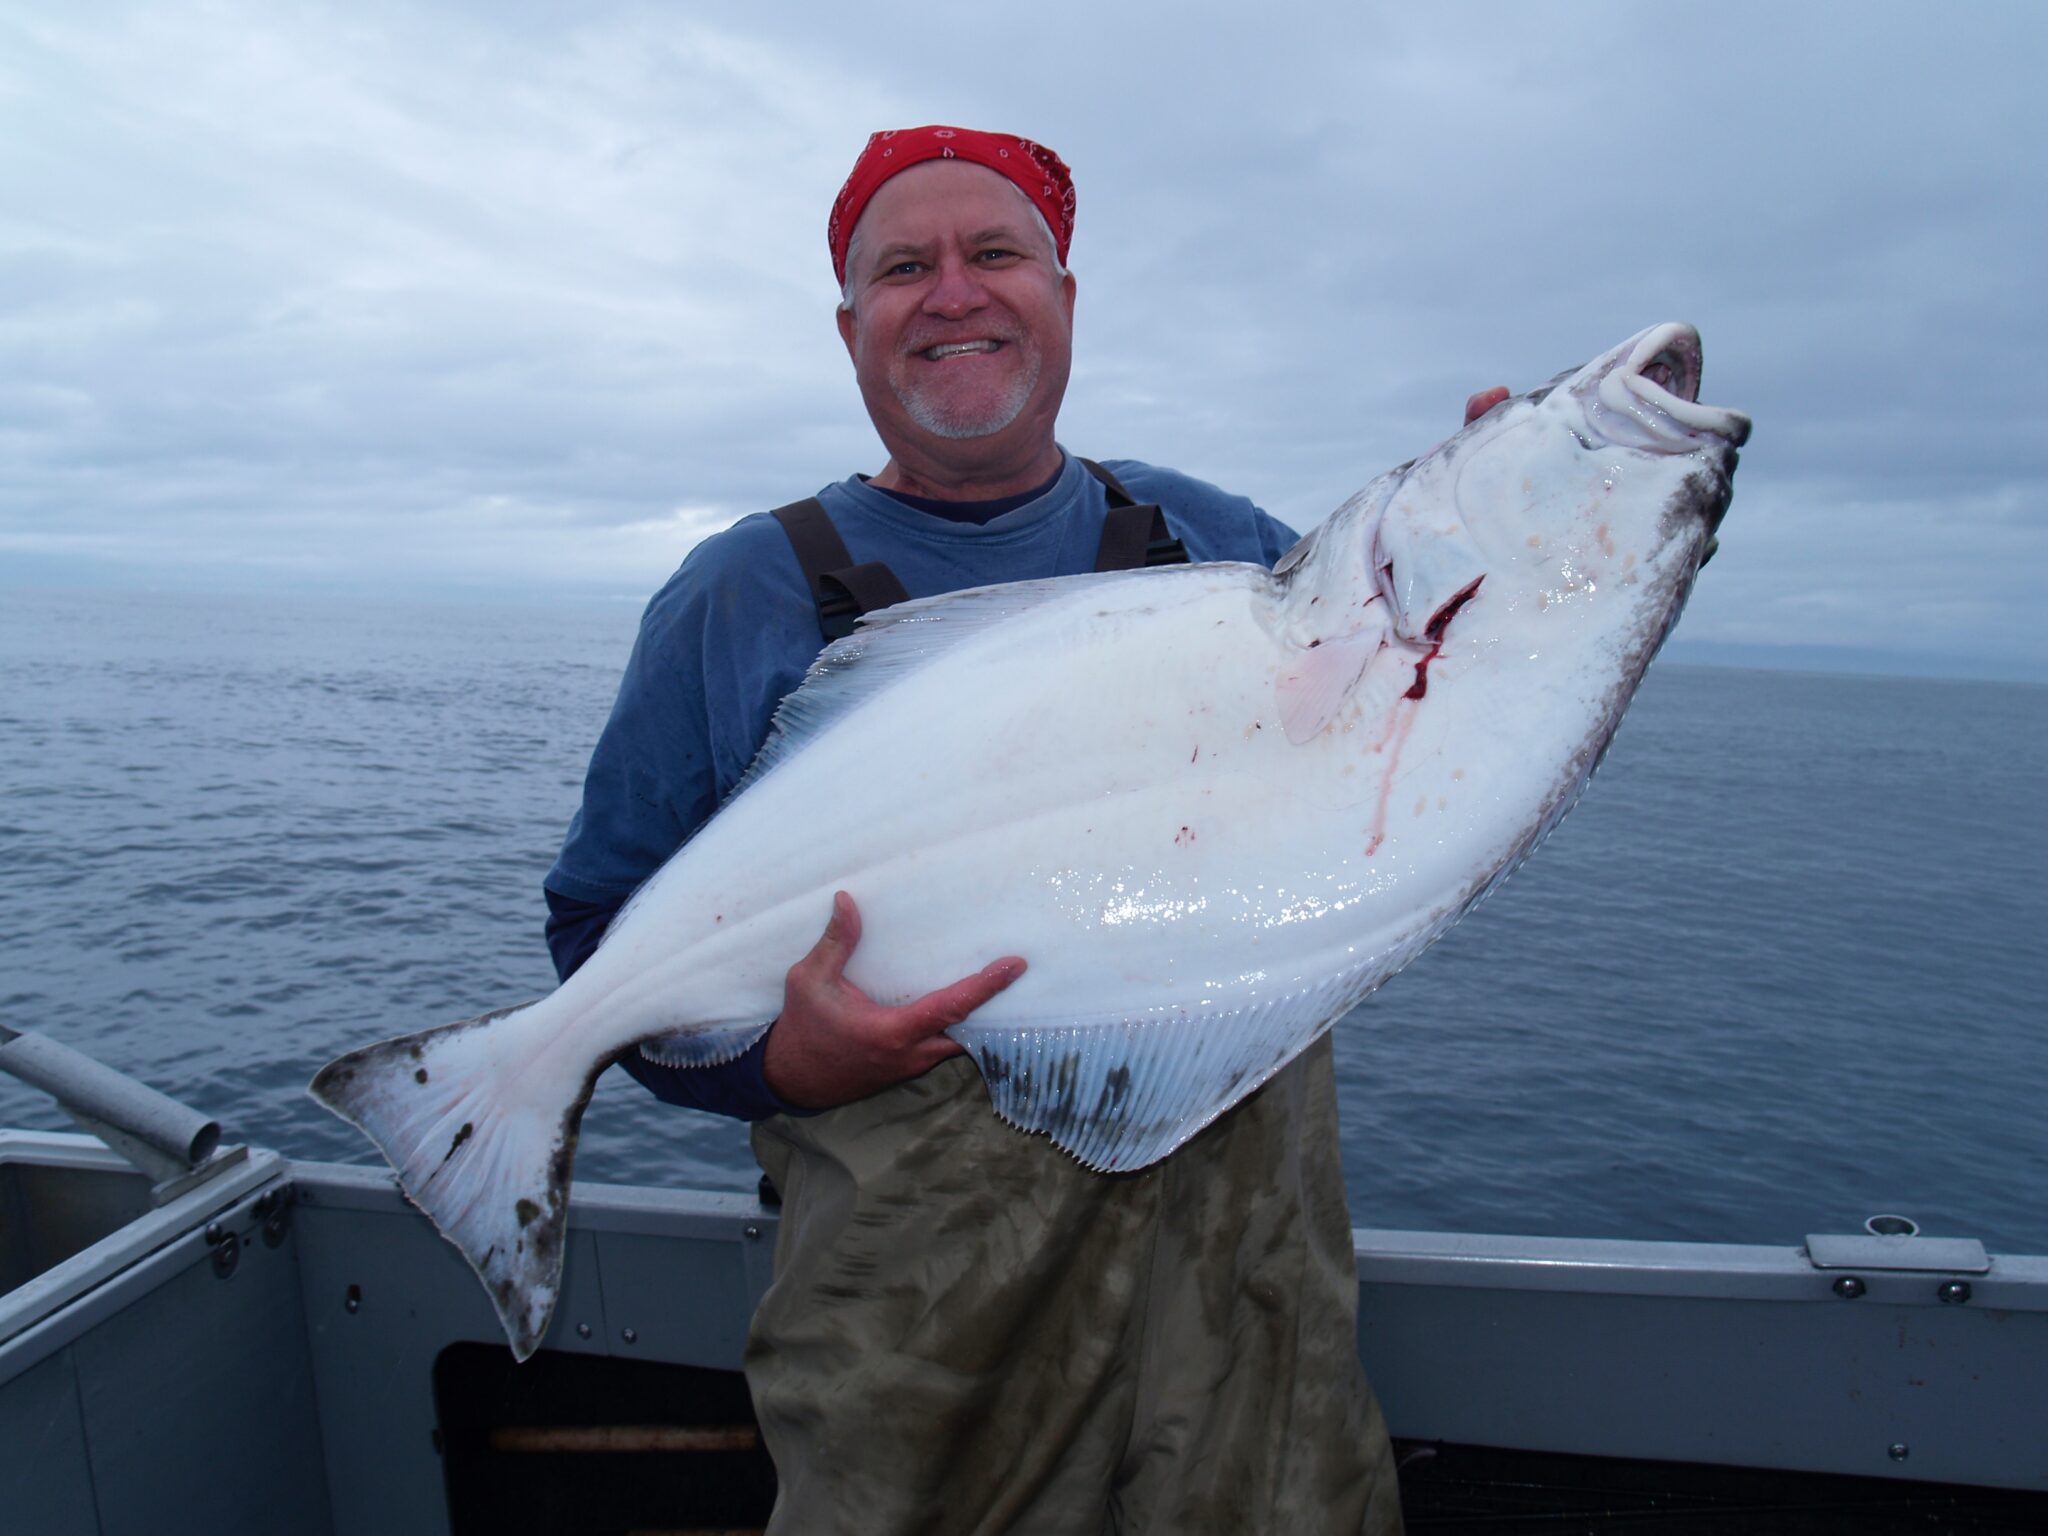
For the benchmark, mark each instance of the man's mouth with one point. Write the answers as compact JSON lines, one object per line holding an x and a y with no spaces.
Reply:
{"x":946,"y":349}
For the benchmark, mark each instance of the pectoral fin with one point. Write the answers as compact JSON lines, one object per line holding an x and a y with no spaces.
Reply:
{"x":1315,"y":680}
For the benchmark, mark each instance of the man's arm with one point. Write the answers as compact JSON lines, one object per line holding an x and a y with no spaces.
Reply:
{"x":574,"y":928}
{"x":679,"y":735}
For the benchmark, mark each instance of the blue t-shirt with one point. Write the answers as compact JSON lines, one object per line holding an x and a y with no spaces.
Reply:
{"x":735,"y":629}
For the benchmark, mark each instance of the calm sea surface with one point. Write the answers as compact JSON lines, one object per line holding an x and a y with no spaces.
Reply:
{"x":1784,"y":968}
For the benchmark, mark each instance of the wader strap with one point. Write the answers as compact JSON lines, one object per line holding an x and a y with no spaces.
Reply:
{"x":1134,"y":534}
{"x":842,"y":590}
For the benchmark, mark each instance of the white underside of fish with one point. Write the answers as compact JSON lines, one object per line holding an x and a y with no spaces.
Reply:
{"x":1092,"y":774}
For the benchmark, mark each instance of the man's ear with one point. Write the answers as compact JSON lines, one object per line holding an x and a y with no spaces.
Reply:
{"x":849,"y":327}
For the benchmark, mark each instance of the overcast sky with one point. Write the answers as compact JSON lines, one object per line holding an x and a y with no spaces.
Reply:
{"x":516,"y":297}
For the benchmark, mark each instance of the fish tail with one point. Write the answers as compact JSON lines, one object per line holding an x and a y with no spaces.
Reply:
{"x":480,"y":1143}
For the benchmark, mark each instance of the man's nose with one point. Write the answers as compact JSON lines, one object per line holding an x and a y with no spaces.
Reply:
{"x":957,"y":291}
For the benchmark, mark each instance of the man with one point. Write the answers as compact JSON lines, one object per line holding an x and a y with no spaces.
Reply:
{"x":968,"y":1331}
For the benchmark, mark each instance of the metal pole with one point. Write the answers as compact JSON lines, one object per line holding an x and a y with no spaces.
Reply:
{"x":152,"y":1130}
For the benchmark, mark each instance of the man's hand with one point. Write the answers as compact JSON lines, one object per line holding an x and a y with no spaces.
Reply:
{"x":1483,"y":402}
{"x":834,"y":1044}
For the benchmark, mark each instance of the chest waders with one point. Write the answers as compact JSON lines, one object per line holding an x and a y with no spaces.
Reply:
{"x":970,"y":1334}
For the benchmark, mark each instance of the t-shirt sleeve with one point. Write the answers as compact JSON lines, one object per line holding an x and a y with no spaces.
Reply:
{"x":652,"y":780}
{"x":717,"y":649}
{"x":1275,"y":537}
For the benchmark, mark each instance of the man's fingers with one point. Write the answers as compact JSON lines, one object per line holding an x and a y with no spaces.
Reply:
{"x":1483,"y":402}
{"x":941,"y":1010}
{"x":835,"y":947}
{"x":844,"y":928}
{"x":834,"y":1044}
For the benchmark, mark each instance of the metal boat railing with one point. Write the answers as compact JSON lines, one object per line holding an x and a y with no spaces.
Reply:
{"x":198,"y":1317}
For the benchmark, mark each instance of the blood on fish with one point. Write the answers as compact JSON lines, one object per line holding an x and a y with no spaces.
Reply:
{"x":1434,"y":630}
{"x":1397,"y":738}
{"x":1420,"y":686}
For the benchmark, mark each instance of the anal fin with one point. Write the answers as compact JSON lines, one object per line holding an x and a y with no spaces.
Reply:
{"x":1122,"y":1093}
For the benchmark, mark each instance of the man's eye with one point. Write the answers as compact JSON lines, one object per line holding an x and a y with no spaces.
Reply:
{"x":994,"y":253}
{"x":905,"y":268}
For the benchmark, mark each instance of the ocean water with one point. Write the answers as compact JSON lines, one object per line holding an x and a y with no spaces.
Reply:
{"x":1784,"y":968}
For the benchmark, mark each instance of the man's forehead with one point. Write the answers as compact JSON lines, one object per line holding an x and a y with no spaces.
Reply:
{"x":939,"y":197}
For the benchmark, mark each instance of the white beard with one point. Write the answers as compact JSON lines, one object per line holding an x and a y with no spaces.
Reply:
{"x":956,"y":419}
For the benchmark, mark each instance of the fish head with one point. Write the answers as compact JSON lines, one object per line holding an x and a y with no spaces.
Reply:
{"x":1582,"y":507}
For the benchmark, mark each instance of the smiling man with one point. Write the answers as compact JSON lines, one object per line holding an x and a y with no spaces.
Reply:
{"x":959,"y":320}
{"x":967,"y":1330}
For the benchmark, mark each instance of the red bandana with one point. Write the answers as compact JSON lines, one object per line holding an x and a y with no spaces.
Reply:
{"x":1035,"y":171}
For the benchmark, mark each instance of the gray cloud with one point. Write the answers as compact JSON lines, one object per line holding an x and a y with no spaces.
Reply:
{"x":372,"y":293}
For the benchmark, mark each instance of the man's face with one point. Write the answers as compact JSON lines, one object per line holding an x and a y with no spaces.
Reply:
{"x":961,"y":328}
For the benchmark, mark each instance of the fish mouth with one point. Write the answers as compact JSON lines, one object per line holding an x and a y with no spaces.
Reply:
{"x":1649,"y":396}
{"x":1665,"y":366}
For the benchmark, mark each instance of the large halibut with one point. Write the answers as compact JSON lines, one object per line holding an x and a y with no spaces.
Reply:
{"x":1212,"y":806}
